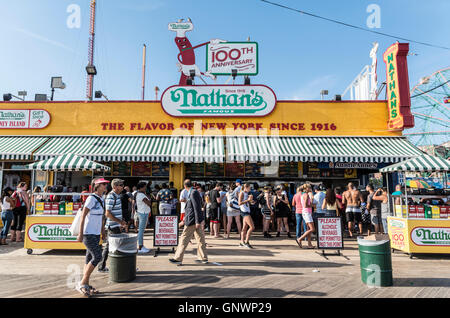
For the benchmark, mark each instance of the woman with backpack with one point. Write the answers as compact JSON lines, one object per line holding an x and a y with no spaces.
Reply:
{"x":233,"y":210}
{"x":92,"y":225}
{"x":21,"y":208}
{"x":7,"y":214}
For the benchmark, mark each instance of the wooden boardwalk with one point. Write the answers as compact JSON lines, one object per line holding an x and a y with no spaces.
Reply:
{"x":275,"y":268}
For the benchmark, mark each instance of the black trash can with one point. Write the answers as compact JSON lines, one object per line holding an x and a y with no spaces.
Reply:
{"x":122,"y":257}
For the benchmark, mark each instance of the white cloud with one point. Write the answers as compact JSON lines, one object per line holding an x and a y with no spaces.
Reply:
{"x":44,"y":39}
{"x":312,"y":90}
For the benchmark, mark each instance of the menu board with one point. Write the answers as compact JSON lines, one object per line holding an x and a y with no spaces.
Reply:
{"x":214,"y":170}
{"x":288,"y":170}
{"x":121,"y":168}
{"x":234,"y":170}
{"x":254,"y":170}
{"x":101,"y":172}
{"x":195,"y":170}
{"x":160,"y":169}
{"x":311,"y":170}
{"x":142,"y":169}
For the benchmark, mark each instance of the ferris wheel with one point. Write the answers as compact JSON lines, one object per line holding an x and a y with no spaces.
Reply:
{"x":430,"y":105}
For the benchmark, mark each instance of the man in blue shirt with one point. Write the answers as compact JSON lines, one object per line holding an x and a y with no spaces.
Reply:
{"x":114,"y":222}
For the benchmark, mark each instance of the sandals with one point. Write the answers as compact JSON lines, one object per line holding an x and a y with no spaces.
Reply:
{"x":93,"y":290}
{"x":84,"y":290}
{"x":299,"y":244}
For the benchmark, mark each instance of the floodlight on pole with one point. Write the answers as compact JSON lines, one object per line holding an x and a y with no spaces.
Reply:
{"x":56,"y":82}
{"x":7,"y":97}
{"x":323,"y":93}
{"x":99,"y":94}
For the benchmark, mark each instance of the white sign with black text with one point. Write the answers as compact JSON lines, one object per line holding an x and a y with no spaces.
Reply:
{"x":329,"y":233}
{"x":166,"y":231}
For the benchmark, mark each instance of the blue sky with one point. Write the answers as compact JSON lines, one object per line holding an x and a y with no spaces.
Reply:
{"x":299,"y":55}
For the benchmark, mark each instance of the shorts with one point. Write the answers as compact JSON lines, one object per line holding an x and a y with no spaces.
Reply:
{"x":375,"y":219}
{"x":307,"y":217}
{"x":233,"y":212}
{"x":214,"y":215}
{"x":353,"y":209}
{"x":244,"y":214}
{"x":353,"y":217}
{"x":266,"y":215}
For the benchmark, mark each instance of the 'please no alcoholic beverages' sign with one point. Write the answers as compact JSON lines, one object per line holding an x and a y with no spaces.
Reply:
{"x":218,"y":100}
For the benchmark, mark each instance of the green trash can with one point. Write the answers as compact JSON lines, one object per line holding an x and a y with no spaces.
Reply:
{"x":122,"y":257}
{"x":122,"y":267}
{"x":375,"y":262}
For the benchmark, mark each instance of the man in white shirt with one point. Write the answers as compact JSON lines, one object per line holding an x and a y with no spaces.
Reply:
{"x":184,"y":196}
{"x":143,"y":210}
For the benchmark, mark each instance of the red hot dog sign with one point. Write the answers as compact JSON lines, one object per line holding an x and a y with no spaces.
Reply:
{"x":223,"y":58}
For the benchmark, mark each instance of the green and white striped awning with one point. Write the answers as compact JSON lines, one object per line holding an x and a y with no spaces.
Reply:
{"x":320,"y":149}
{"x":67,"y":162}
{"x":420,"y":163}
{"x":155,"y":149}
{"x":19,"y":148}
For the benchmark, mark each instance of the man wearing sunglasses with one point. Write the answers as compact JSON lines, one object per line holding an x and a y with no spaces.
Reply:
{"x":114,"y":222}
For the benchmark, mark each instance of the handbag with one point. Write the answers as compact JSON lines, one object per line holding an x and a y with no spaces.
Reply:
{"x":75,"y":227}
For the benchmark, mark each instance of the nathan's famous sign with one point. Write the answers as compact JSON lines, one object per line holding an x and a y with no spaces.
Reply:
{"x":223,"y":58}
{"x":237,"y":100}
{"x":397,"y":82}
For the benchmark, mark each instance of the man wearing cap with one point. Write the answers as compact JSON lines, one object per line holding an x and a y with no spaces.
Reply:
{"x":114,"y":220}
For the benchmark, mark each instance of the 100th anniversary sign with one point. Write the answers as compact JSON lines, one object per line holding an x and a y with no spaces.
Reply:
{"x":219,"y":100}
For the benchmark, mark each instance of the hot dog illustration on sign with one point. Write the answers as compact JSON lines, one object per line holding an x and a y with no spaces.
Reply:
{"x":186,"y":57}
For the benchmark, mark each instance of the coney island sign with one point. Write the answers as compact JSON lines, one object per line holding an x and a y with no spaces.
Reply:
{"x":218,"y":101}
{"x":24,"y":119}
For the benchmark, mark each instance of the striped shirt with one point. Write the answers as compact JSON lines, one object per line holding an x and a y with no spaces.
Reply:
{"x":113,"y":204}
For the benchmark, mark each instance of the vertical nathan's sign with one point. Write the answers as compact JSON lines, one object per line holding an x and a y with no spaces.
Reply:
{"x":166,"y":231}
{"x":329,"y":233}
{"x":223,"y":58}
{"x":397,"y":85}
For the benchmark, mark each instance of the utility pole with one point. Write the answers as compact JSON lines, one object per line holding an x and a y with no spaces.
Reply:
{"x":90,"y":77}
{"x":144,"y":58}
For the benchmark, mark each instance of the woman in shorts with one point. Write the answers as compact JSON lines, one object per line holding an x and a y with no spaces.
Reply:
{"x":232,"y":212}
{"x":306,"y":202}
{"x":245,"y":198}
{"x":92,"y":225}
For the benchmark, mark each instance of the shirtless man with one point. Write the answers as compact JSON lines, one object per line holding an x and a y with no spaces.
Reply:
{"x":353,"y":198}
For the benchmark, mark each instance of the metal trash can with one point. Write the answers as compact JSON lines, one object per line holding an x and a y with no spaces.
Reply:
{"x":375,"y":262}
{"x":122,"y":256}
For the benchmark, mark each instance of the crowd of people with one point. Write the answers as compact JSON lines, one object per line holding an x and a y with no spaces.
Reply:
{"x":113,"y":208}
